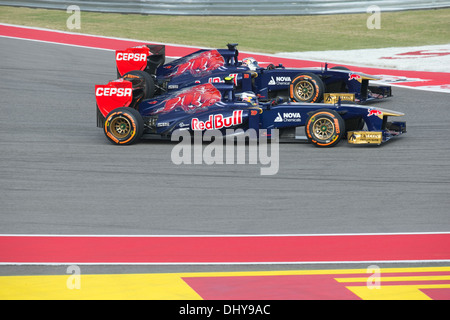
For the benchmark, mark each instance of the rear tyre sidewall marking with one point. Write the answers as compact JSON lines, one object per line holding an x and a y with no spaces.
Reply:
{"x":325,"y":128}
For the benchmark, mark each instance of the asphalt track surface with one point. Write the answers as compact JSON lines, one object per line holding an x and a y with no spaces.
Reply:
{"x":59,"y":175}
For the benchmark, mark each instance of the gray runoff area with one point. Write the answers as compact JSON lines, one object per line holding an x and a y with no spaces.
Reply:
{"x":59,"y":174}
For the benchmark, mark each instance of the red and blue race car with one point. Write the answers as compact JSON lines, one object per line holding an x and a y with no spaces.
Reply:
{"x":127,"y":116}
{"x":313,"y":85}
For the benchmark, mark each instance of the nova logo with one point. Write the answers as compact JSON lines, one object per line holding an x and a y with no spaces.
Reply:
{"x":108,"y":92}
{"x":279,"y":81}
{"x":292,"y":115}
{"x":124,"y":56}
{"x":289,"y":117}
{"x":283,"y":79}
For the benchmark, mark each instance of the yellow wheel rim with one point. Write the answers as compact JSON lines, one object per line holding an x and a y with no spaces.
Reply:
{"x":323,"y":129}
{"x":304,"y":90}
{"x":120,"y":127}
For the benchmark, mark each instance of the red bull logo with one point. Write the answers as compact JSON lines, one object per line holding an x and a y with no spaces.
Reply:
{"x":374,"y":112}
{"x":218,"y":121}
{"x":354,"y":76}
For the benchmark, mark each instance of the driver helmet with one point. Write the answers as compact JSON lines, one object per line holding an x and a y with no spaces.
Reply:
{"x":249,"y":97}
{"x":251,"y":63}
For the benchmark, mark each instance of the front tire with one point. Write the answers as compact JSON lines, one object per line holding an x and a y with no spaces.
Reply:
{"x":307,"y":87}
{"x":325,"y":128}
{"x":123,"y":126}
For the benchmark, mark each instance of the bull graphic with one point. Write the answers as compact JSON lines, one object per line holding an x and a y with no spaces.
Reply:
{"x":189,"y":100}
{"x":200,"y":64}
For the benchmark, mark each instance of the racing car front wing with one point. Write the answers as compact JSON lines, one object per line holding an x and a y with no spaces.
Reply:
{"x":394,"y":129}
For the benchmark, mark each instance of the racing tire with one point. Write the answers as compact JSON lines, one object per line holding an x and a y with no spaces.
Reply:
{"x":325,"y":128}
{"x":306,"y":87}
{"x":149,"y":83}
{"x":123,"y":126}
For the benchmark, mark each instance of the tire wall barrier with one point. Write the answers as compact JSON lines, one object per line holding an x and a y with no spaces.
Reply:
{"x":232,"y":7}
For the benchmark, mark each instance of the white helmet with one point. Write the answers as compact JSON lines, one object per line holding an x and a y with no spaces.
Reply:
{"x":251,"y":63}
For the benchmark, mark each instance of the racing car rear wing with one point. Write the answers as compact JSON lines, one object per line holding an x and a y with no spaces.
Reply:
{"x":115,"y":94}
{"x":143,"y":58}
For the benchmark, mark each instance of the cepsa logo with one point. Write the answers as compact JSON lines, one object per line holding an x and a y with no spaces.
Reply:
{"x":109,"y":92}
{"x":217,"y":121}
{"x":125,"y":56}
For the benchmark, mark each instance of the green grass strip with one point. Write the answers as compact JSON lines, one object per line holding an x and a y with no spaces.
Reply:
{"x":267,"y":34}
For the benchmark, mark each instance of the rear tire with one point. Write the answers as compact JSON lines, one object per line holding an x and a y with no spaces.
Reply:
{"x":123,"y":126}
{"x":325,"y":128}
{"x":149,"y":83}
{"x":307,"y":87}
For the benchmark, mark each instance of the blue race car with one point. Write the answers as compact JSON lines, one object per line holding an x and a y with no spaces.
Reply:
{"x":327,"y":85}
{"x":126,"y":116}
